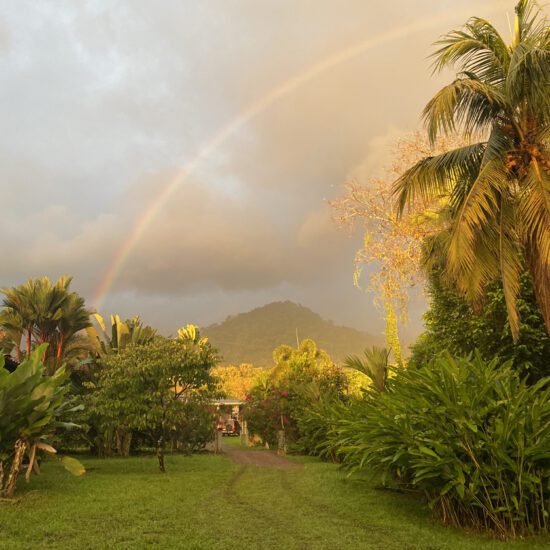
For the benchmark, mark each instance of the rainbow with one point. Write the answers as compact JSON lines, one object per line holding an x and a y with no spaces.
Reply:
{"x":241,"y":120}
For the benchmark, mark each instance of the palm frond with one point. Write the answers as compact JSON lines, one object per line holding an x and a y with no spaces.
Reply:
{"x":479,"y":208}
{"x":511,"y":266}
{"x":436,"y":176}
{"x":467,"y":104}
{"x":534,"y":210}
{"x":478,"y":49}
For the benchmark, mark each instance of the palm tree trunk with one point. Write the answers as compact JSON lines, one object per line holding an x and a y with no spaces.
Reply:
{"x":29,"y":338}
{"x":540,"y":275}
{"x":60,"y":350}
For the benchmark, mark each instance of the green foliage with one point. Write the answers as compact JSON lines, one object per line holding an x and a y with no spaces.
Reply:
{"x":154,"y":388}
{"x":496,"y":191}
{"x":121,"y":334}
{"x":316,"y":423}
{"x":41,"y":312}
{"x":468,"y":434}
{"x":30,"y":406}
{"x":452,"y":325}
{"x":251,"y":337}
{"x":301,"y":378}
{"x":374,"y":365}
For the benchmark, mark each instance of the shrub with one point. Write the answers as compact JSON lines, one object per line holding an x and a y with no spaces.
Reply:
{"x":469,"y":434}
{"x":301,"y":378}
{"x":315,"y":425}
{"x":30,"y":406}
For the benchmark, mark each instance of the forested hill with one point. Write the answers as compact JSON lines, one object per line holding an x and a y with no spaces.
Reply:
{"x":251,"y":337}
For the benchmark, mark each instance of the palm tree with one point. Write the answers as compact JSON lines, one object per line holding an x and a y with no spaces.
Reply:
{"x":68,"y":341}
{"x":374,"y":365}
{"x":40,"y":311}
{"x":13,"y":330}
{"x":18,"y":315}
{"x":498,"y":187}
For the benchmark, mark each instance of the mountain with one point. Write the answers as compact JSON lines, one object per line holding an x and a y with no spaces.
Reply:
{"x":251,"y":337}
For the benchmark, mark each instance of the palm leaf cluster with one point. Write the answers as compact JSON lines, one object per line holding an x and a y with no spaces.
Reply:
{"x":498,"y":187}
{"x":121,"y":334}
{"x":375,"y":365}
{"x":40,"y":311}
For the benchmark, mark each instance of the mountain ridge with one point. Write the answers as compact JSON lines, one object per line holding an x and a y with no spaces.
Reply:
{"x":251,"y":337}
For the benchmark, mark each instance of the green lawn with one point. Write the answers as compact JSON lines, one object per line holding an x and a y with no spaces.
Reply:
{"x":206,"y":501}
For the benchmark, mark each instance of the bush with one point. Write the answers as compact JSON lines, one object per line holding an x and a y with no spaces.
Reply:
{"x":302,"y":378}
{"x":30,"y":406}
{"x":315,"y":425}
{"x":469,"y":434}
{"x":195,"y":427}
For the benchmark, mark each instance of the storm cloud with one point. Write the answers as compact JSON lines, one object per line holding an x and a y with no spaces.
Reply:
{"x":103,"y":102}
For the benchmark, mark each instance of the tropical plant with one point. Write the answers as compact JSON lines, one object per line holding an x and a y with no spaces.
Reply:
{"x":121,"y":334}
{"x":41,"y":312}
{"x":375,"y":365}
{"x":468,"y":434}
{"x":498,"y":188}
{"x":392,"y":245}
{"x":12,"y":332}
{"x":30,"y":408}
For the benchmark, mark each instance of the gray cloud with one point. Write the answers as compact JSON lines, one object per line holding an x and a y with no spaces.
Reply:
{"x":103,"y":102}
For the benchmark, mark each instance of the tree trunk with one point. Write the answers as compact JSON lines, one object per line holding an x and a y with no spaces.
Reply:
{"x":60,"y":350}
{"x":123,"y":441}
{"x":29,"y":339}
{"x":540,"y":275}
{"x":9,"y":487}
{"x":160,"y":453}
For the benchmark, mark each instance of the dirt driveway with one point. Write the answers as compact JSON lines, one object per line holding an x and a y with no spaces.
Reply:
{"x":259,"y":458}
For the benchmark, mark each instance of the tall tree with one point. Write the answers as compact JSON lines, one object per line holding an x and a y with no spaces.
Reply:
{"x":392,"y":244}
{"x":499,"y":187}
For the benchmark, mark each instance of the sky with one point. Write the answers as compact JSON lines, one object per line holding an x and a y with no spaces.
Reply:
{"x":177,"y":157}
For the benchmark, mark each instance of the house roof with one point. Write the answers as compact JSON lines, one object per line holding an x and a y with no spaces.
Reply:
{"x":228,"y":401}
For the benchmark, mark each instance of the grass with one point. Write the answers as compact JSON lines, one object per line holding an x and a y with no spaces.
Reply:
{"x":206,"y":501}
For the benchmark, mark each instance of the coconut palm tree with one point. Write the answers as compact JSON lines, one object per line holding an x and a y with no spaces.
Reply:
{"x":375,"y":365}
{"x":498,"y":187}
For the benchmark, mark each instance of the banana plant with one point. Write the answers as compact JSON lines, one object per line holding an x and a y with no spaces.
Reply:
{"x":121,"y":334}
{"x":191,"y":333}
